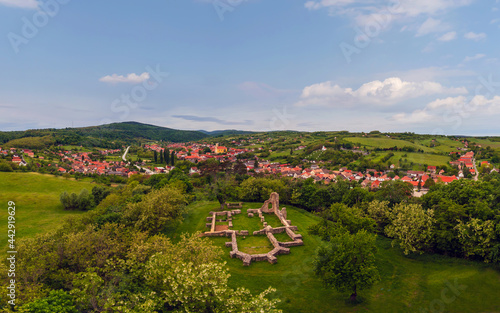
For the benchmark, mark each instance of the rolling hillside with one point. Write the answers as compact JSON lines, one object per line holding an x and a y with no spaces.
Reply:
{"x":109,"y":135}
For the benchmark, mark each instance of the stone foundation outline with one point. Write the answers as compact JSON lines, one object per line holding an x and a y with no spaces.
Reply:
{"x":279,"y":247}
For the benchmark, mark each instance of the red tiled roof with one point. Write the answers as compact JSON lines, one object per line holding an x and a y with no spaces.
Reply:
{"x":446,"y":179}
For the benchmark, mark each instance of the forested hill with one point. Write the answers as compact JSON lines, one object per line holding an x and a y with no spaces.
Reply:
{"x":109,"y":135}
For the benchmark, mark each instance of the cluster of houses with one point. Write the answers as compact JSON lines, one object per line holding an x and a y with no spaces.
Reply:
{"x":27,"y":152}
{"x":465,"y":161}
{"x":371,"y":178}
{"x":110,"y":151}
{"x":82,"y":163}
{"x":198,"y":152}
{"x":72,"y":162}
{"x":17,"y":159}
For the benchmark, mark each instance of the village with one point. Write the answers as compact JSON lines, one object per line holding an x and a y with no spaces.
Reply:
{"x":86,"y":163}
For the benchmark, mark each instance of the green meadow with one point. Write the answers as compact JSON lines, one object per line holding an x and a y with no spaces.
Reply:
{"x":386,"y":143}
{"x":37,"y":201}
{"x":408,"y":283}
{"x":417,"y":158}
{"x":486,"y":142}
{"x":442,"y":144}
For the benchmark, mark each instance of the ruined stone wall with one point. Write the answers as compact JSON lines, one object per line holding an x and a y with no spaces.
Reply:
{"x":293,"y":235}
{"x":278,"y":247}
{"x":213,"y":220}
{"x":294,"y":243}
{"x":237,"y":205}
{"x":276,"y":230}
{"x":274,"y":200}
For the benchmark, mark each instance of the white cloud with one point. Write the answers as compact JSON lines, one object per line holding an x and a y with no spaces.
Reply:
{"x":130,"y":78}
{"x":370,"y":13}
{"x":430,"y":7}
{"x":315,"y":5}
{"x":448,"y":109}
{"x":430,"y":74}
{"x":417,"y":116}
{"x":408,"y":8}
{"x":380,"y":93}
{"x":25,"y":4}
{"x":447,"y":103}
{"x":475,"y":36}
{"x":431,"y":26}
{"x":475,"y":57}
{"x":448,"y":36}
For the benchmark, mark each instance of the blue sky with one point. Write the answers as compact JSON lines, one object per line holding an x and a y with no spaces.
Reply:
{"x":428,"y":66}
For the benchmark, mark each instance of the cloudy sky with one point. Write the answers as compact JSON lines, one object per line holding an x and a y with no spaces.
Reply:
{"x":427,"y":66}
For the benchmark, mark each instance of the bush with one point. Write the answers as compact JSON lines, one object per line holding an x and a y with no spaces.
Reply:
{"x":58,"y":301}
{"x":100,"y":193}
{"x":83,"y":201}
{"x":5,"y":167}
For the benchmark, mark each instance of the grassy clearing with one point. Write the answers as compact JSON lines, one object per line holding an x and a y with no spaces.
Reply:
{"x":441,"y":144}
{"x":243,"y":222}
{"x":78,"y":148}
{"x":115,"y":157}
{"x":486,"y":142}
{"x":36,"y":196}
{"x":272,"y":220}
{"x":282,"y":154}
{"x":254,"y":244}
{"x":409,"y":284}
{"x":386,"y":143}
{"x":418,"y":158}
{"x":282,"y":237}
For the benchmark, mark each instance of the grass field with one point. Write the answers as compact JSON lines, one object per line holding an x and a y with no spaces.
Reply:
{"x":386,"y":143}
{"x":421,"y":158}
{"x":408,"y":284}
{"x":115,"y":157}
{"x":37,"y":201}
{"x":242,"y":221}
{"x":485,"y":142}
{"x":272,"y":220}
{"x":254,"y":244}
{"x":442,"y":145}
{"x":417,"y":158}
{"x":77,"y":148}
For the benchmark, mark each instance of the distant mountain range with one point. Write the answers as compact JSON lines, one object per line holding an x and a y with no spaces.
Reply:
{"x":108,"y":135}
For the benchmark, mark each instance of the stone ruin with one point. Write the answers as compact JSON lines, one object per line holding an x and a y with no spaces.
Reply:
{"x":274,"y":200}
{"x":216,"y":217}
{"x":279,"y":247}
{"x":237,"y":205}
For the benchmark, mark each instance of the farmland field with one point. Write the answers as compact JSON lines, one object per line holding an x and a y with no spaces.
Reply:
{"x":385,"y":143}
{"x":486,"y":142}
{"x":417,"y":158}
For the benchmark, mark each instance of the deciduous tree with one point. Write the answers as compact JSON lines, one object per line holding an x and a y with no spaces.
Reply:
{"x":347,"y":263}
{"x":158,"y":209}
{"x":411,"y":226}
